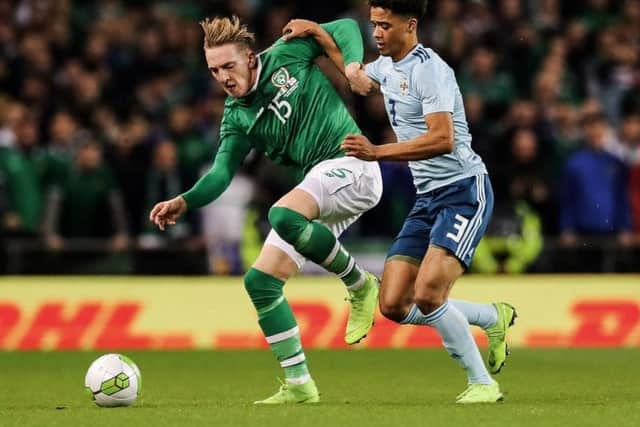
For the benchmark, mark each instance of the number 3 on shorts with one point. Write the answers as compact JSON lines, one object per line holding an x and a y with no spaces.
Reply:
{"x":460,"y":226}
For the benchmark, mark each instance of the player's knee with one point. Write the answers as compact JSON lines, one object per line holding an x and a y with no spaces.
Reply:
{"x":393,"y":310}
{"x":251,"y":281}
{"x":262,"y":288}
{"x":430,"y":295}
{"x":287,"y":223}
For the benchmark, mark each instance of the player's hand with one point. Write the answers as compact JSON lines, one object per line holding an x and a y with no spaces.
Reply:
{"x":359,"y":146}
{"x":299,"y":28}
{"x":167,"y":212}
{"x":359,"y":82}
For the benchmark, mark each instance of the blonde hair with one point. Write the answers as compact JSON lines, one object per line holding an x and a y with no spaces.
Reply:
{"x":219,"y":31}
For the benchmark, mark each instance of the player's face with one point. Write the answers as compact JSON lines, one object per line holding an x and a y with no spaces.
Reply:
{"x":233,"y":66}
{"x":391,"y":32}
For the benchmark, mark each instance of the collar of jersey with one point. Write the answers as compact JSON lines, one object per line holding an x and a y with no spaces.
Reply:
{"x":408,"y":57}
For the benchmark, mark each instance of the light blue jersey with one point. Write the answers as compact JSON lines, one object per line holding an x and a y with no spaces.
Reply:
{"x":419,"y":84}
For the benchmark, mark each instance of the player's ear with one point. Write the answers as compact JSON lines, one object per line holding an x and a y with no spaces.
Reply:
{"x":252,"y":59}
{"x":412,"y":25}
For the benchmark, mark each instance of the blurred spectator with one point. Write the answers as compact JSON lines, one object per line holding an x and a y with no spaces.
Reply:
{"x":522,"y":57}
{"x":566,"y":137}
{"x":20,"y":172}
{"x":513,"y":240}
{"x":482,"y":130}
{"x":58,"y":153}
{"x":477,"y":19}
{"x":129,"y":155}
{"x":481,"y":76}
{"x":630,"y":151}
{"x":225,"y":226}
{"x":163,"y":181}
{"x":594,"y":199}
{"x":526,"y":174}
{"x":598,"y":15}
{"x":613,"y":67}
{"x":547,"y":16}
{"x":445,"y":33}
{"x":509,"y":15}
{"x":88,"y":203}
{"x":194,"y":152}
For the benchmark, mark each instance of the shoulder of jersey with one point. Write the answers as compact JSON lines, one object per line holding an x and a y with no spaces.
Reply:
{"x":278,"y":48}
{"x":426,"y":60}
{"x":429,"y":64}
{"x":422,"y":54}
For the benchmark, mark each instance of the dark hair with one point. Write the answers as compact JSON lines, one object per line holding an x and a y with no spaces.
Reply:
{"x":416,"y":8}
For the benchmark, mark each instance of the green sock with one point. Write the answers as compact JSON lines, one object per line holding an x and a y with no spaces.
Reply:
{"x":317,"y":243}
{"x":278,"y":324}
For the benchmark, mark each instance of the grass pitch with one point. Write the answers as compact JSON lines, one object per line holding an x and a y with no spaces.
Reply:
{"x":358,"y":388}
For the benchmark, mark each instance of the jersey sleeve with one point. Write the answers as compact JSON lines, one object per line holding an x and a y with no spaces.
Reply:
{"x":372,"y":70}
{"x":301,"y":49}
{"x":234,"y":147}
{"x":436,"y":86}
{"x":346,"y":34}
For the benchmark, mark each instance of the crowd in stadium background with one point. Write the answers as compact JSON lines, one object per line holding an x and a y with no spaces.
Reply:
{"x":107,"y":107}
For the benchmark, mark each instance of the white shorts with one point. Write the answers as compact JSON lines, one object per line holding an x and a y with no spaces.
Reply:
{"x":344,"y":189}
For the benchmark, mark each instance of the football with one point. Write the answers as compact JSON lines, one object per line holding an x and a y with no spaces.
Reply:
{"x":113,"y":380}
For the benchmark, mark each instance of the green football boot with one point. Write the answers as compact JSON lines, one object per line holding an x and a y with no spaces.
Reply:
{"x":293,"y":393}
{"x":497,"y":334}
{"x":363,"y":307}
{"x":481,"y":393}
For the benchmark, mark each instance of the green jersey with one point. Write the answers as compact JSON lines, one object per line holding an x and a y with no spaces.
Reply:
{"x":293,"y":115}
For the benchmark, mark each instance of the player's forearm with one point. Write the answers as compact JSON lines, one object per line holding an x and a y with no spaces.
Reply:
{"x":420,"y":148}
{"x":347,"y":37}
{"x":359,"y":82}
{"x":210,"y":186}
{"x":207,"y":189}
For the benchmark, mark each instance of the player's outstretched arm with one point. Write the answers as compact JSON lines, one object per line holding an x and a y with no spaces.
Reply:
{"x":348,"y":40}
{"x":437,"y":141}
{"x":209,"y":187}
{"x":342,"y":42}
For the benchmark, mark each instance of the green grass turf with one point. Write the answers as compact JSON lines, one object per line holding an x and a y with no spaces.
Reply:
{"x":359,"y":388}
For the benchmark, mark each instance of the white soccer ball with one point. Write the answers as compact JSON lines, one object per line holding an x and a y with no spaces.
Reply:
{"x":113,"y":380}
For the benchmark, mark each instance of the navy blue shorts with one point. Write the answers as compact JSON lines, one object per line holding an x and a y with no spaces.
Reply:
{"x":452,"y":217}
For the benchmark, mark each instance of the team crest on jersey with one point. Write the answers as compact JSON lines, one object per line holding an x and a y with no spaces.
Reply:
{"x":404,"y":87}
{"x":283,"y":81}
{"x":280,"y":78}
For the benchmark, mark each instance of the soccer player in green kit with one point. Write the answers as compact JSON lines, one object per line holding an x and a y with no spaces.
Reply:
{"x":282,"y":105}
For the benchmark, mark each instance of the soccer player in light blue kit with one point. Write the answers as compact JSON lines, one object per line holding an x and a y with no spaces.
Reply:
{"x":454,"y":197}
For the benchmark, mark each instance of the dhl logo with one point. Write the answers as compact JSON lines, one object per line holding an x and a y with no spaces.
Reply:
{"x":613,"y":323}
{"x":87,"y":325}
{"x":61,"y":325}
